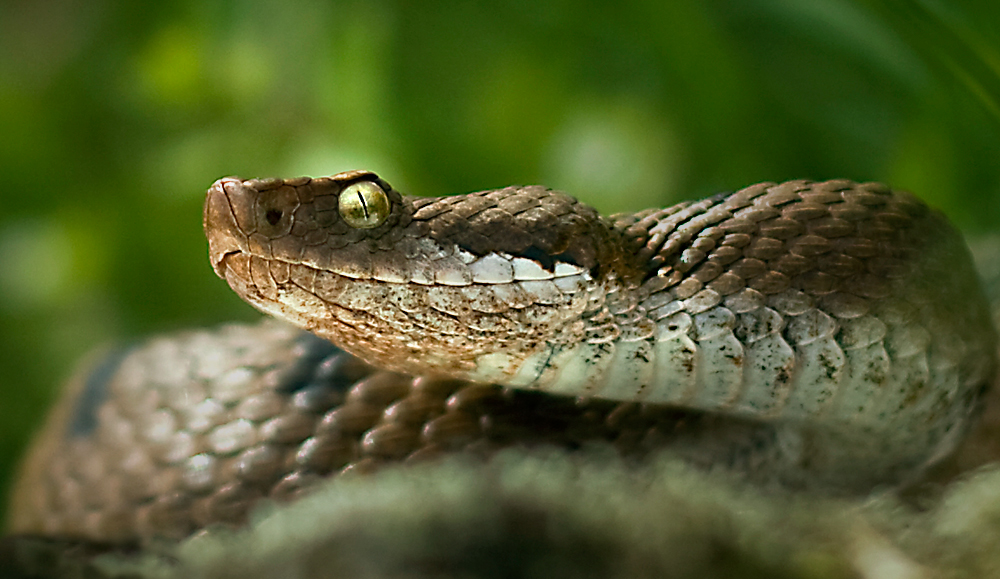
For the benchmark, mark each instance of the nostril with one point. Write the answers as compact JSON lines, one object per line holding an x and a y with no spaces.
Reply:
{"x":273,"y":216}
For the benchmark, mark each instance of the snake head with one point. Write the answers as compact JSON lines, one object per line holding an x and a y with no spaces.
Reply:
{"x":439,"y":285}
{"x":281,"y":217}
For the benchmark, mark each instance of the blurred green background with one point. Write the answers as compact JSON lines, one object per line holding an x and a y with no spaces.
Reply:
{"x":115,"y":117}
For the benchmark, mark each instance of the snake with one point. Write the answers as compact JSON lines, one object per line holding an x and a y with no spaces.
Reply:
{"x":829,"y":336}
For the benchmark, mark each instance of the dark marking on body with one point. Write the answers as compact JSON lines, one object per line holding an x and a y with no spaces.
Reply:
{"x":548,"y":262}
{"x":688,"y":364}
{"x":829,"y":367}
{"x":316,"y":352}
{"x":553,"y":349}
{"x":94,"y":393}
{"x":323,"y":366}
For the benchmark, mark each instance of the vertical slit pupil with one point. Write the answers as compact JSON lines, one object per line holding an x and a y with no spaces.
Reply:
{"x":364,"y":206}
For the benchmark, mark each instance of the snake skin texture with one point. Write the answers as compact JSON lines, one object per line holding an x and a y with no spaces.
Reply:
{"x":196,"y":428}
{"x":822,"y":335}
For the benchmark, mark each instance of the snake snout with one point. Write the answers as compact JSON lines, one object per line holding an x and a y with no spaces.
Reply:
{"x":225,"y":236}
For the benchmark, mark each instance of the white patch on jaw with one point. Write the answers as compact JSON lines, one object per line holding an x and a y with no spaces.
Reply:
{"x":452,"y":272}
{"x":529,"y":270}
{"x":497,"y":268}
{"x":564,"y":269}
{"x":465,"y":257}
{"x":492,"y":269}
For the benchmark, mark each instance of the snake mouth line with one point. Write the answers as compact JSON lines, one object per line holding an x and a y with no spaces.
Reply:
{"x":221,"y":265}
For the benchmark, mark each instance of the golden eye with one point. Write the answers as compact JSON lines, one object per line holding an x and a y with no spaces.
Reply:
{"x":364,"y":205}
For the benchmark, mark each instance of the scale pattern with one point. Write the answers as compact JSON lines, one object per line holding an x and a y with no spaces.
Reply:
{"x":823,"y":335}
{"x":195,"y":429}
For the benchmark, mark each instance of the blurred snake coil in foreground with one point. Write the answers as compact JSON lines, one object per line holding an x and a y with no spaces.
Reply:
{"x":828,"y":336}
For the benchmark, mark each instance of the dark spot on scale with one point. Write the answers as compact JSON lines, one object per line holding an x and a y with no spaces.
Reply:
{"x":546,"y":260}
{"x":94,"y":393}
{"x":829,"y":368}
{"x":273,"y":216}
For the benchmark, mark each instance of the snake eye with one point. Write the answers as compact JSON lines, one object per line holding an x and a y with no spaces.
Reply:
{"x":364,"y":205}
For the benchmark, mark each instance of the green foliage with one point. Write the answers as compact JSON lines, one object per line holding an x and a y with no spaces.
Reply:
{"x":115,"y":118}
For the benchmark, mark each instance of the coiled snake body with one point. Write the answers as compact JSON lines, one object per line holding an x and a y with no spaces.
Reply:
{"x":825,"y":335}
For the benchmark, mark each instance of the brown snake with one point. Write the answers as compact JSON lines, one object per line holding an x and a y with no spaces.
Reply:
{"x":822,"y":335}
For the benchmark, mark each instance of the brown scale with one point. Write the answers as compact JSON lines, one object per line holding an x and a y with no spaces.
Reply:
{"x":128,"y":490}
{"x":804,"y":235}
